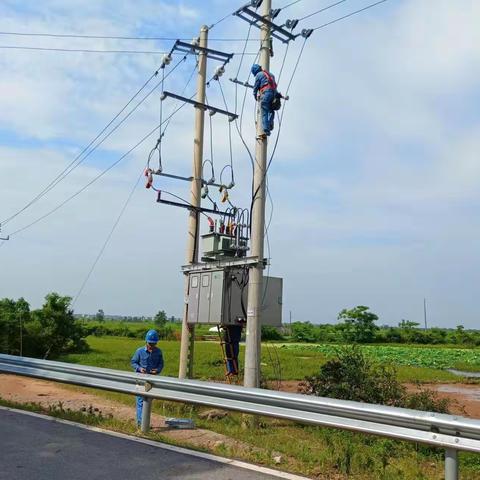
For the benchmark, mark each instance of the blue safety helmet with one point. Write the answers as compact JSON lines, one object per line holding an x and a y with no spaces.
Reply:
{"x":256,"y":68}
{"x":151,"y":336}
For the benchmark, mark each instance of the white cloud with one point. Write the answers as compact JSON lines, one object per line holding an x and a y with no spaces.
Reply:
{"x":374,"y":181}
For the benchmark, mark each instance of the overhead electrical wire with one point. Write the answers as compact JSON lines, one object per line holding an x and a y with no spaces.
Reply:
{"x":350,"y":15}
{"x":290,"y":4}
{"x":107,"y":240}
{"x":111,"y":37}
{"x":321,"y":10}
{"x":87,"y":151}
{"x":81,"y":50}
{"x":95,"y":179}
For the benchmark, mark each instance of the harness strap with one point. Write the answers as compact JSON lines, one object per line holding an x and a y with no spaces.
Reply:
{"x":271,"y":83}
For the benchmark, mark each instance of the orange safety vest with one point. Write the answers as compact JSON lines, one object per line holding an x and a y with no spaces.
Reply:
{"x":271,"y":83}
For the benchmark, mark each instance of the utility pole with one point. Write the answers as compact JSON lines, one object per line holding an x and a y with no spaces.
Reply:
{"x":425,"y":312}
{"x":255,"y":284}
{"x":188,"y":331}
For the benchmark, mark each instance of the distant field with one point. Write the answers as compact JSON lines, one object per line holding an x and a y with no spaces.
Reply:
{"x":296,"y":361}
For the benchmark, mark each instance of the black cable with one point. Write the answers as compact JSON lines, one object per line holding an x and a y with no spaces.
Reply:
{"x":78,"y":192}
{"x":254,"y":196}
{"x":79,"y":50}
{"x":82,"y":50}
{"x":322,"y":10}
{"x":236,"y":125}
{"x":350,"y":14}
{"x":85,"y":153}
{"x":107,"y":240}
{"x":107,"y":37}
{"x":290,"y":4}
{"x":240,"y":65}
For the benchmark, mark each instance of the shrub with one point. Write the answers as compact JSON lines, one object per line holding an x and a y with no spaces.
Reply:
{"x":271,"y":333}
{"x":350,"y":375}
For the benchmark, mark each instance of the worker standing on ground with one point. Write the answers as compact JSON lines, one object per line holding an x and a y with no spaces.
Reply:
{"x":264,"y":91}
{"x":232,"y":337}
{"x":147,"y":359}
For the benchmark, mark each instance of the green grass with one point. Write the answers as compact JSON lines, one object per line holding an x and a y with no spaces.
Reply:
{"x":408,"y":355}
{"x":296,"y":361}
{"x":305,"y":450}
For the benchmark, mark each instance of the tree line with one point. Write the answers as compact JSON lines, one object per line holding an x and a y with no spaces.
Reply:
{"x":46,"y":332}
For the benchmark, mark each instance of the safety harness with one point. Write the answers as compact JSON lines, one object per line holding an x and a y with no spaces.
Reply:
{"x":271,"y":82}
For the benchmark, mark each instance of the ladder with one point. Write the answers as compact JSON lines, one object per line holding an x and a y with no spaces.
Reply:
{"x":227,"y":355}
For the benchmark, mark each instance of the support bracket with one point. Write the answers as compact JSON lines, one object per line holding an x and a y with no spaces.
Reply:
{"x":238,"y":82}
{"x":258,"y":21}
{"x":185,"y":179}
{"x":220,"y":264}
{"x":192,"y":207}
{"x":185,"y":47}
{"x":231,"y":116}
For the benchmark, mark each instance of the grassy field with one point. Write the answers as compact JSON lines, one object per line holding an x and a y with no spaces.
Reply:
{"x":315,"y":452}
{"x":414,"y":364}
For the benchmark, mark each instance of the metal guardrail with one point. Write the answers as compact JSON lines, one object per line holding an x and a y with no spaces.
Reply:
{"x":451,"y":432}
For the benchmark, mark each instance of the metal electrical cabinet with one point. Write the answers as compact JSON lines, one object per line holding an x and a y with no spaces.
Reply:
{"x":220,"y":297}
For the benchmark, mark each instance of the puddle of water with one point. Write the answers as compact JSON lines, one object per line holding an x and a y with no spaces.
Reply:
{"x":464,"y":374}
{"x":473,"y":394}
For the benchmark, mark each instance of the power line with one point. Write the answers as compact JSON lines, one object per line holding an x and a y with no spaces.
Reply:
{"x":108,"y":37}
{"x":101,"y":174}
{"x":322,"y":10}
{"x":80,"y":50}
{"x":107,"y":240}
{"x":350,"y":14}
{"x":85,"y":152}
{"x":290,"y":4}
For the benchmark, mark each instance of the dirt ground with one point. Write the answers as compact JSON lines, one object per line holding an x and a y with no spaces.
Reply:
{"x":466,"y":402}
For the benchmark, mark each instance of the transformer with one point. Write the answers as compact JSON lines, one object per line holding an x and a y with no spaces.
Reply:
{"x":219,"y":296}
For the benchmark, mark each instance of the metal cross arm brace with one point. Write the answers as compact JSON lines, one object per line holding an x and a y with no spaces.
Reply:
{"x":192,"y":207}
{"x":244,"y":84}
{"x":186,"y":179}
{"x":231,"y":116}
{"x":257,"y":20}
{"x":220,"y":264}
{"x":185,"y":47}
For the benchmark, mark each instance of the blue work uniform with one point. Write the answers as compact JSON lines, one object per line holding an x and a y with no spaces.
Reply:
{"x":153,"y":360}
{"x":266,"y":86}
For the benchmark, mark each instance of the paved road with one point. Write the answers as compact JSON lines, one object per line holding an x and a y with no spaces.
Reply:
{"x":39,"y":449}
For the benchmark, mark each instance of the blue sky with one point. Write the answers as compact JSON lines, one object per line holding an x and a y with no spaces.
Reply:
{"x":374,"y":182}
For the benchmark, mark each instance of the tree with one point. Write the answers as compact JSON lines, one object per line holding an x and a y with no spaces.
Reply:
{"x":359,"y":324}
{"x":53,"y":329}
{"x":13,"y":317}
{"x":160,"y":319}
{"x":100,"y":316}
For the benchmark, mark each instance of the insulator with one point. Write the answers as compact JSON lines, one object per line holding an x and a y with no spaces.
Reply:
{"x":219,"y":71}
{"x":167,"y":59}
{"x":291,"y":24}
{"x":195,"y":41}
{"x":163,"y":97}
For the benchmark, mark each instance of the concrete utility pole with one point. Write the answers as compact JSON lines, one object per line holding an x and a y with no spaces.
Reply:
{"x":255,"y":284}
{"x":188,"y":331}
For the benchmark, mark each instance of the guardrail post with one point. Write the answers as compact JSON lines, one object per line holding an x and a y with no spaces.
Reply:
{"x":451,"y":464}
{"x":146,"y":413}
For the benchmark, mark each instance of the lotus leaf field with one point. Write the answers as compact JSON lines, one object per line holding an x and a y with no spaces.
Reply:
{"x":430,"y":357}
